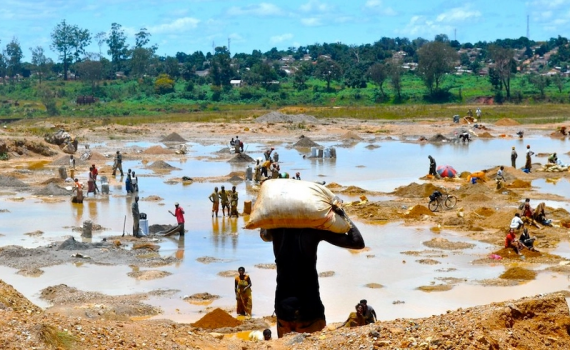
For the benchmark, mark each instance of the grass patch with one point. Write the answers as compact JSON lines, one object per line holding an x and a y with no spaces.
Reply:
{"x":54,"y":338}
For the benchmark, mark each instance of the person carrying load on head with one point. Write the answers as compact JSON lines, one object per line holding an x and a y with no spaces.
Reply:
{"x":298,"y":304}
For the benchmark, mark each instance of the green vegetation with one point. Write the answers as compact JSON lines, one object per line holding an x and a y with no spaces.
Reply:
{"x":135,"y":82}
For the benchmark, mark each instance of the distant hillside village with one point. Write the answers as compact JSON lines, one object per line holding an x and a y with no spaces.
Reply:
{"x":389,"y":66}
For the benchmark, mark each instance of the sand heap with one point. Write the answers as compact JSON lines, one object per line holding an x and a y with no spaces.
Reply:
{"x":485,"y":135}
{"x":162,"y":165}
{"x":52,"y":190}
{"x":305,"y":142}
{"x":174,"y":137}
{"x":350,"y":136}
{"x":157,"y":150}
{"x":10,"y":181}
{"x":417,"y":212}
{"x":278,"y":117}
{"x":10,"y":298}
{"x":507,"y":122}
{"x":95,"y":156}
{"x":415,"y":190}
{"x":438,"y":138}
{"x":519,"y":184}
{"x":215,"y":319}
{"x":241,"y":158}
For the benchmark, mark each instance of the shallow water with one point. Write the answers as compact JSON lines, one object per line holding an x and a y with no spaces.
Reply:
{"x":381,"y":169}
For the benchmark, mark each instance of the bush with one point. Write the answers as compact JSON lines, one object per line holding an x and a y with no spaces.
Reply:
{"x":163,"y":84}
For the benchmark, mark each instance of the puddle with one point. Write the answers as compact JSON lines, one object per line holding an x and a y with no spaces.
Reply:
{"x":380,"y":169}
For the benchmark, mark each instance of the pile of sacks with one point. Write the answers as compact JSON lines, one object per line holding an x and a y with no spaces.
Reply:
{"x":553,"y":168}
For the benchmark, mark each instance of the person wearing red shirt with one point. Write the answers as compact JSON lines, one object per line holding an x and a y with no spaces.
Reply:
{"x":512,"y":242}
{"x":179,"y":214}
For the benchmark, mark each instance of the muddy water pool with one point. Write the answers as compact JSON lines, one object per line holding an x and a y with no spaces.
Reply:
{"x":378,"y":169}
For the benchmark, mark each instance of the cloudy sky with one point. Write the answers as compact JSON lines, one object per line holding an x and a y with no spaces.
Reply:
{"x":191,"y":25}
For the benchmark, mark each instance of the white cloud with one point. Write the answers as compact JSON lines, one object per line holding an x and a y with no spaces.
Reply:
{"x":263,"y":10}
{"x":458,"y":15}
{"x":280,"y":38}
{"x":378,"y":8}
{"x":552,"y":15}
{"x":424,"y":27}
{"x":311,"y":22}
{"x":177,"y":26}
{"x":316,"y":6}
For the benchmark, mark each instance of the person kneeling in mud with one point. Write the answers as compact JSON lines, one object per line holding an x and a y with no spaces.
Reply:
{"x":527,"y":241}
{"x":298,"y":304}
{"x":512,"y":242}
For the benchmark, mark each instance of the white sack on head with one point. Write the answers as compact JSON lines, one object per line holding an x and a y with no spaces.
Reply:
{"x":288,"y":203}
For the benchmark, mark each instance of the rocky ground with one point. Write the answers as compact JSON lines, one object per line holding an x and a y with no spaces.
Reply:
{"x":87,"y":320}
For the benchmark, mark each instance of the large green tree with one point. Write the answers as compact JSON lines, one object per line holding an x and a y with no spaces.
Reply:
{"x":40,"y":61}
{"x":328,"y":70}
{"x":118,"y":48}
{"x":504,"y":65}
{"x":435,"y":60}
{"x":378,"y":73}
{"x":69,"y":41}
{"x":221,"y":70}
{"x":14,"y":57}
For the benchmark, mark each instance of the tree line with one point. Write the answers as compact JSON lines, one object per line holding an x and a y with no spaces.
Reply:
{"x":353,"y":66}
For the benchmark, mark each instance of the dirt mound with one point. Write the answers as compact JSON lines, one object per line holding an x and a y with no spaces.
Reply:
{"x":353,"y":190}
{"x":161,"y":165}
{"x":438,"y":138}
{"x":333,"y":185}
{"x":417,"y":212}
{"x":235,"y":178}
{"x":94,"y":156}
{"x":202,"y":296}
{"x":484,"y":211}
{"x":241,"y":158}
{"x":519,"y":184}
{"x":477,"y":197}
{"x":485,"y":135}
{"x":507,"y":122}
{"x":52,"y":190}
{"x":278,"y":117}
{"x":10,"y":181}
{"x":305,"y":142}
{"x":472,"y":189}
{"x":518,"y":273}
{"x":72,"y":244}
{"x":442,"y":243}
{"x":11,"y":298}
{"x":148,"y":274}
{"x":174,"y":137}
{"x":351,"y":136}
{"x":157,"y":150}
{"x":415,"y":190}
{"x":215,"y":319}
{"x":55,"y":180}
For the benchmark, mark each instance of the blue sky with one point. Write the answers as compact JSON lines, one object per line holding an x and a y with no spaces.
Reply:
{"x":192,"y":25}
